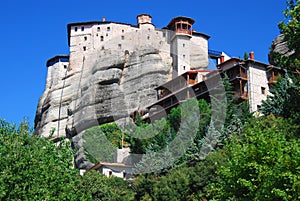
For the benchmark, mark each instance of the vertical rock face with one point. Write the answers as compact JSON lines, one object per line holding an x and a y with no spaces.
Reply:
{"x":280,"y":45}
{"x":107,"y":89}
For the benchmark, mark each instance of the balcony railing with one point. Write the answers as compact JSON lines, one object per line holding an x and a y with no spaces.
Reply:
{"x":192,"y":82}
{"x":243,"y":95}
{"x":243,"y":75}
{"x":184,"y":31}
{"x":273,"y":79}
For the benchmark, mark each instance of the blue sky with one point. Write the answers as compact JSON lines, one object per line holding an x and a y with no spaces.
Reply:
{"x":33,"y":31}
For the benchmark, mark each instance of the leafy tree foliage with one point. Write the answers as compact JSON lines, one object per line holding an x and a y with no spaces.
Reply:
{"x":183,"y":183}
{"x":178,"y":142}
{"x":290,"y":28}
{"x":263,"y":165}
{"x":103,"y":188}
{"x":284,"y":100}
{"x":97,"y":146}
{"x":32,"y":168}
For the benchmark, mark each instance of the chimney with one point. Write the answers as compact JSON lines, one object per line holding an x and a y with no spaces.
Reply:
{"x":222,"y":59}
{"x":251,"y":54}
{"x":103,"y":19}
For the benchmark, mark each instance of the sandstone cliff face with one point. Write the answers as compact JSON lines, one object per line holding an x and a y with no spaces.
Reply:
{"x":107,"y":88}
{"x":280,"y":45}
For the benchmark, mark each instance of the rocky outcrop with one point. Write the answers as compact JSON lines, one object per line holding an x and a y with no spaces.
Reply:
{"x":279,"y":45}
{"x":105,"y":89}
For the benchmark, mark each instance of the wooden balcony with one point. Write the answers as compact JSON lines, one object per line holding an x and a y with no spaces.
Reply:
{"x":184,"y":31}
{"x":192,"y":82}
{"x":242,"y":75}
{"x":241,"y":95}
{"x":273,"y":79}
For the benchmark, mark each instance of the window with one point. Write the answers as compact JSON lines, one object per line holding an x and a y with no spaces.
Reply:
{"x":102,"y":47}
{"x":101,"y":38}
{"x":98,"y":29}
{"x":82,"y":28}
{"x":183,"y":56}
{"x":258,"y":107}
{"x":65,"y":66}
{"x":84,"y":48}
{"x":183,"y":67}
{"x":110,"y":173}
{"x":76,"y":28}
{"x":120,"y":46}
{"x":107,"y":34}
{"x":148,"y":37}
{"x":85,"y":38}
{"x":183,"y":45}
{"x":124,"y":175}
{"x":108,"y":28}
{"x":263,"y":90}
{"x":122,"y":37}
{"x":123,"y":31}
{"x":164,"y":34}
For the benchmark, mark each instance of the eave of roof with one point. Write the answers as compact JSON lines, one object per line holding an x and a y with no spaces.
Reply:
{"x":143,"y":14}
{"x":195,"y":33}
{"x":100,"y":164}
{"x":178,"y":17}
{"x":56,"y":57}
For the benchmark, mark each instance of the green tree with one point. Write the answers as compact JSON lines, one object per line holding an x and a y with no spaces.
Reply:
{"x":97,"y":146}
{"x":284,"y":100}
{"x":33,"y":168}
{"x":290,"y":28}
{"x":263,"y":165}
{"x":103,"y":188}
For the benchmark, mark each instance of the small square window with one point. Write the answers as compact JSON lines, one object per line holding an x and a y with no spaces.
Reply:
{"x":107,"y":34}
{"x":148,"y":37}
{"x":120,"y":46}
{"x":65,"y":66}
{"x":101,"y":38}
{"x":84,"y":48}
{"x":123,"y":31}
{"x":258,"y":107}
{"x":183,"y":67}
{"x":102,"y":47}
{"x":183,"y":44}
{"x":108,"y":28}
{"x":183,"y":56}
{"x":85,"y":38}
{"x":98,"y":28}
{"x":263,"y":90}
{"x":122,"y":37}
{"x":82,"y":28}
{"x":76,"y":28}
